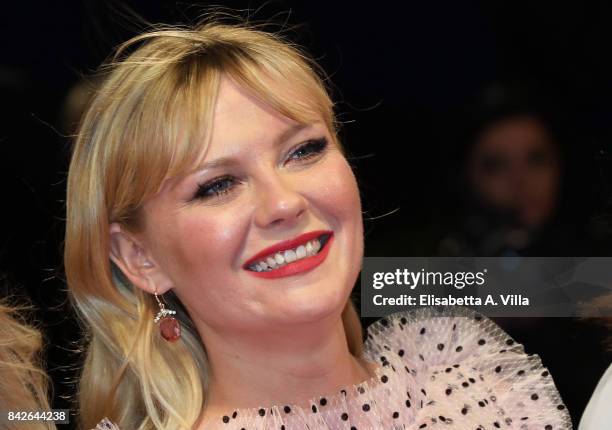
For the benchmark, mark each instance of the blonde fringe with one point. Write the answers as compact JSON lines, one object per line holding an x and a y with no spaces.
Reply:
{"x":132,"y":137}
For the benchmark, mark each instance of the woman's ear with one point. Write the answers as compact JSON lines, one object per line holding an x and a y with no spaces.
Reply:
{"x":135,"y":262}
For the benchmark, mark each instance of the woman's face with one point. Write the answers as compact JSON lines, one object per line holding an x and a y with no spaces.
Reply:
{"x":265,"y":180}
{"x":515,"y":166}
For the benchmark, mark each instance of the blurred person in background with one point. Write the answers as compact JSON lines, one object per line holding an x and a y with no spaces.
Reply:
{"x":522,"y":180}
{"x":508,"y":177}
{"x":515,"y":168}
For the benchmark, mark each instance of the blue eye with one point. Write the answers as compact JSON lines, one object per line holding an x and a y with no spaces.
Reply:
{"x":310,"y":149}
{"x":215,"y":188}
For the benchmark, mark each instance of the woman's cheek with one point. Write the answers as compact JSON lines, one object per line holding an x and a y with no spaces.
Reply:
{"x":185,"y":243}
{"x":338,"y":187}
{"x":212,"y":234}
{"x":342,"y":200}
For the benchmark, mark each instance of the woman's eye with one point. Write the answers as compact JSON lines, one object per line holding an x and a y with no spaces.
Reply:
{"x":308,"y":150}
{"x":215,"y":188}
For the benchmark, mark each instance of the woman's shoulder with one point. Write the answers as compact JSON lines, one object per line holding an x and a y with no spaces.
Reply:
{"x":439,"y":329}
{"x":440,"y":334}
{"x":461,"y":358}
{"x":597,"y":412}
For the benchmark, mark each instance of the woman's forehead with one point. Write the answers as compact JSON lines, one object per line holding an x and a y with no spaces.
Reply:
{"x":239,"y":111}
{"x":242,"y":118}
{"x":235,"y":102}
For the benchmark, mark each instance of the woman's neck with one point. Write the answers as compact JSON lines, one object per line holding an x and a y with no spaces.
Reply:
{"x":289,"y":366}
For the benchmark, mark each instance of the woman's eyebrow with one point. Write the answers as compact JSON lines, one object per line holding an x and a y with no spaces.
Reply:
{"x":219,"y":162}
{"x":292,"y":131}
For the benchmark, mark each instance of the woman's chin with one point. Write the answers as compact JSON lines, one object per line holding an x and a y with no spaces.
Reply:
{"x":312,"y":307}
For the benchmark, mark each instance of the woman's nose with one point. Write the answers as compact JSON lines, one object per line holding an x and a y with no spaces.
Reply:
{"x":278,"y":202}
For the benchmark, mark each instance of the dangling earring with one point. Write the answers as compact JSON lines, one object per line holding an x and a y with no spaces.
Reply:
{"x":169,"y":327}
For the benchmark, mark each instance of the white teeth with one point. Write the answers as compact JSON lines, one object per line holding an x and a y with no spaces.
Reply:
{"x":290,"y":256}
{"x":281,"y":258}
{"x":271,"y":262}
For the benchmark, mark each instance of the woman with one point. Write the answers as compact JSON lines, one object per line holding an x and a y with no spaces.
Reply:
{"x":23,"y":384}
{"x":208,"y":169}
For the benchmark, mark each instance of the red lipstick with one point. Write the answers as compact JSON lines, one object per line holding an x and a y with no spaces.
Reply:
{"x":295,"y":267}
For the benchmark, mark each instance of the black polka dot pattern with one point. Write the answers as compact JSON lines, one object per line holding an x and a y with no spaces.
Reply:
{"x":436,"y":369}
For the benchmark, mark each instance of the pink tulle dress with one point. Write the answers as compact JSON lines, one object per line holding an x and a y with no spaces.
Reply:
{"x":438,"y":369}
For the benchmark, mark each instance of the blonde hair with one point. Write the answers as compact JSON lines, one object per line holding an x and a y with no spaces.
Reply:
{"x":23,"y":383}
{"x":131,"y":138}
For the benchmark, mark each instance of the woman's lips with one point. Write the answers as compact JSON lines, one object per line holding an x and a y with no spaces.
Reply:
{"x":285,"y":245}
{"x":298,"y":266}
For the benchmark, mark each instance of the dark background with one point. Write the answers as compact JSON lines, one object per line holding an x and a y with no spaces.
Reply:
{"x":403,"y":75}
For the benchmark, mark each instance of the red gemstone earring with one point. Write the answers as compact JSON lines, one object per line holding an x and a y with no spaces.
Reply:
{"x":169,"y":327}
